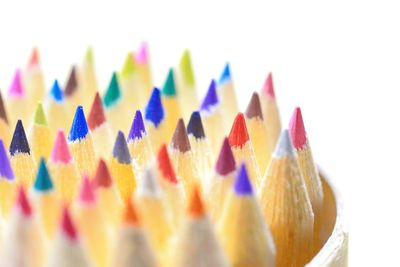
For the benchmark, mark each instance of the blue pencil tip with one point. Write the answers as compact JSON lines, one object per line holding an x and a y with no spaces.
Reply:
{"x":56,"y":92}
{"x":43,"y":181}
{"x":6,"y":171}
{"x":242,"y":184}
{"x":154,"y":111}
{"x":137,"y":128}
{"x":79,"y":128}
{"x":121,"y":151}
{"x":195,"y":126}
{"x":211,"y":98}
{"x":19,"y":142}
{"x":226,"y":75}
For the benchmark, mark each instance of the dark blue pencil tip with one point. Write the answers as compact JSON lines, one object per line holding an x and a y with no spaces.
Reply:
{"x":242,"y":184}
{"x":154,"y":110}
{"x":19,"y":142}
{"x":79,"y":127}
{"x":121,"y":151}
{"x":211,"y":98}
{"x":56,"y":92}
{"x":6,"y":171}
{"x":137,"y":128}
{"x":226,"y":75}
{"x":195,"y":126}
{"x":43,"y":181}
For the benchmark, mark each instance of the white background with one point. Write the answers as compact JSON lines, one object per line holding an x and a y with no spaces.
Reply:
{"x":339,"y":61}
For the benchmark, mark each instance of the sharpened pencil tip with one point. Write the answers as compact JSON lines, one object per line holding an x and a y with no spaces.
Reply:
{"x":154,"y":109}
{"x":148,"y":185}
{"x":17,"y":88}
{"x":96,"y":116}
{"x":165,"y":165}
{"x":129,"y":66}
{"x":3,"y":112}
{"x":120,"y":150}
{"x":211,"y":99}
{"x":43,"y":181}
{"x":86,"y":193}
{"x":239,"y":134}
{"x":22,"y":202}
{"x":40,"y":118}
{"x":169,"y":88}
{"x":56,"y":93}
{"x":284,"y":146}
{"x":254,"y":108}
{"x":6,"y":171}
{"x":195,"y":126}
{"x":242,"y":184}
{"x":142,"y":55}
{"x":297,"y":130}
{"x":185,"y":66}
{"x":180,"y":140}
{"x":34,"y":60}
{"x":226,"y":75}
{"x":130,"y":214}
{"x":102,"y":177}
{"x":67,"y":226}
{"x":137,"y":129}
{"x":79,"y":128}
{"x":60,"y":151}
{"x":196,"y":207}
{"x":72,"y":83}
{"x":19,"y":142}
{"x":113,"y":93}
{"x":268,"y":88}
{"x":226,"y":160}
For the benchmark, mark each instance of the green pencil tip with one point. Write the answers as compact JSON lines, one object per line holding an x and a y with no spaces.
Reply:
{"x":185,"y":66}
{"x":169,"y":85}
{"x":40,"y":117}
{"x":113,"y":93}
{"x":89,"y":58}
{"x":129,"y":66}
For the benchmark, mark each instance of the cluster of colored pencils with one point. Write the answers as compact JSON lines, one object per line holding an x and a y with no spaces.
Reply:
{"x":132,"y":184}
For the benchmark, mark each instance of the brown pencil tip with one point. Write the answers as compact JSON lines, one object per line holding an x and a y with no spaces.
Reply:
{"x":72,"y":83}
{"x":196,"y":207}
{"x":254,"y":108}
{"x":180,"y":138}
{"x":96,"y":116}
{"x":3,"y":113}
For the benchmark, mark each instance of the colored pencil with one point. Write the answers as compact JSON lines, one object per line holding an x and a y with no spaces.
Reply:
{"x":100,"y":128}
{"x":81,"y":144}
{"x":66,"y":248}
{"x":182,"y":157}
{"x":72,"y":92}
{"x":134,"y":97}
{"x":186,"y":85}
{"x":291,"y":221}
{"x":39,"y":135}
{"x":57,"y":111}
{"x":34,"y":79}
{"x":18,"y":105}
{"x":7,"y":183}
{"x":153,"y":212}
{"x":92,"y":226}
{"x":174,"y":192}
{"x":222,"y":180}
{"x":309,"y":172}
{"x":200,"y":147}
{"x":22,"y":161}
{"x":210,"y":111}
{"x":45,"y":200}
{"x":258,"y":133}
{"x":270,"y":110}
{"x":88,"y":78}
{"x":243,"y":148}
{"x":226,"y":90}
{"x":142,"y":60}
{"x":132,"y":246}
{"x":244,"y":234}
{"x":170,"y":102}
{"x":5,"y":133}
{"x":121,"y":167}
{"x":25,"y":242}
{"x":155,"y":120}
{"x":108,"y":196}
{"x":63,"y":169}
{"x":196,"y":243}
{"x":139,"y":145}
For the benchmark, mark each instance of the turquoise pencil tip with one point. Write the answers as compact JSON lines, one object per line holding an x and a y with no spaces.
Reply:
{"x":43,"y":181}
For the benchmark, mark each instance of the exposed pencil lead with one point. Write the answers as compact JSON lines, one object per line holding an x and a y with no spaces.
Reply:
{"x":180,"y":140}
{"x":297,"y":130}
{"x":130,"y":213}
{"x":186,"y":68}
{"x":239,"y":134}
{"x":79,"y":128}
{"x":129,"y":66}
{"x":226,"y":74}
{"x":34,"y":59}
{"x":137,"y":129}
{"x":67,"y":226}
{"x":148,"y":185}
{"x":211,"y":98}
{"x":43,"y":181}
{"x":154,"y":109}
{"x":268,"y":87}
{"x":121,"y":151}
{"x":284,"y":146}
{"x":22,"y":202}
{"x":3,"y":113}
{"x":254,"y":108}
{"x":86,"y":193}
{"x":113,"y":93}
{"x":39,"y":117}
{"x":169,"y":88}
{"x":60,"y":151}
{"x":226,"y":160}
{"x":102,"y":177}
{"x":142,"y":55}
{"x":19,"y":142}
{"x":242,"y":184}
{"x":6,"y":171}
{"x":196,"y":207}
{"x":195,"y":126}
{"x":17,"y":88}
{"x":165,"y":165}
{"x":96,"y":116}
{"x":56,"y":92}
{"x":72,"y":83}
{"x":89,"y":55}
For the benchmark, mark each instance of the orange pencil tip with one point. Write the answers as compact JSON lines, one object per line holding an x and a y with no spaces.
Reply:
{"x":130,"y":213}
{"x":34,"y":59}
{"x":196,"y":206}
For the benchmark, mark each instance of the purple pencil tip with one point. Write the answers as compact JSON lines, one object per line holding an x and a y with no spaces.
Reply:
{"x":226,"y":161}
{"x":137,"y":129}
{"x":211,"y":98}
{"x":5,"y":167}
{"x":242,"y":186}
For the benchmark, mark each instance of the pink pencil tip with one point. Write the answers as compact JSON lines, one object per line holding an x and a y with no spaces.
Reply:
{"x":297,"y":130}
{"x":16,"y":88}
{"x":60,"y":153}
{"x":67,"y":226}
{"x":22,"y":202}
{"x":34,"y":59}
{"x":142,"y":56}
{"x":86,"y":194}
{"x":268,"y":88}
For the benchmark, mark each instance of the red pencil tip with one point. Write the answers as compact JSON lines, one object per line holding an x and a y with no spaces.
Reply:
{"x":130,"y":213}
{"x":34,"y":59}
{"x":268,"y":87}
{"x":96,"y":115}
{"x":165,"y":165}
{"x":196,"y":206}
{"x":238,"y":135}
{"x":86,"y":194}
{"x":296,"y":129}
{"x":60,"y":151}
{"x":22,"y":202}
{"x":67,"y":226}
{"x":103,"y":176}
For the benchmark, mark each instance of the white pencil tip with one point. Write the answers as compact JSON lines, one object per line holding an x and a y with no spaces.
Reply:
{"x":284,"y":146}
{"x":148,"y":185}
